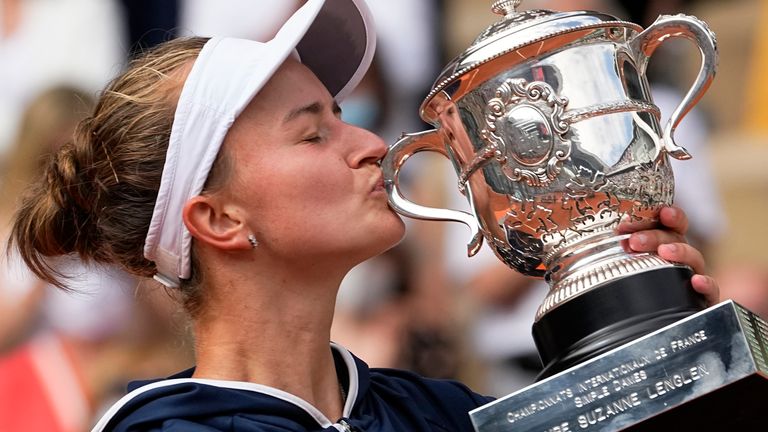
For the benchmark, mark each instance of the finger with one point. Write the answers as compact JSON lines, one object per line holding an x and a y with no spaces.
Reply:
{"x":671,"y":218}
{"x":650,"y":240}
{"x":706,"y":286}
{"x":674,"y":218}
{"x":683,"y":253}
{"x":627,"y":225}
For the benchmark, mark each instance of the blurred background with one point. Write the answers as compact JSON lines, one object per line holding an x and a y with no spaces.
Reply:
{"x":423,"y":305}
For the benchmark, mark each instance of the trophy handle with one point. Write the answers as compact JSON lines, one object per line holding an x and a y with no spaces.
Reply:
{"x":399,"y":152}
{"x":692,"y":28}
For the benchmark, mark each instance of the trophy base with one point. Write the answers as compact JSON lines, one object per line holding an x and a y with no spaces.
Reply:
{"x":708,"y":372}
{"x":613,"y":314}
{"x":727,"y":408}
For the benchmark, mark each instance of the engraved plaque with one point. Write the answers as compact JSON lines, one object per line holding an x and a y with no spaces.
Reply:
{"x":704,"y":372}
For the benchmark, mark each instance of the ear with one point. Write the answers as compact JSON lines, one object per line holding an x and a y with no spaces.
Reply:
{"x":211,"y":222}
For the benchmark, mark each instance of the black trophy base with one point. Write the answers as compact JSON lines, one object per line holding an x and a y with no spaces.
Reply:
{"x":706,"y":372}
{"x":613,"y":314}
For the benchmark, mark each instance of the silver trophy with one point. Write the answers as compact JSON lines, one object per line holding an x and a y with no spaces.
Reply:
{"x":549,"y":122}
{"x":550,"y":125}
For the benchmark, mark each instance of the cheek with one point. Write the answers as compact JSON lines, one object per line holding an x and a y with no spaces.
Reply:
{"x":311,"y":191}
{"x":321,"y":185}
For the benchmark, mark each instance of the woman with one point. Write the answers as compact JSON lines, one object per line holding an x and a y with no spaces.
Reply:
{"x":255,"y":199}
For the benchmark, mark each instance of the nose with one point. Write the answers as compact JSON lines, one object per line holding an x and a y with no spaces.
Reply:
{"x":366,"y":147}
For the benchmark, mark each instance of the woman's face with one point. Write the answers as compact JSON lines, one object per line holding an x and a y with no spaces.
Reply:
{"x":309,"y":184}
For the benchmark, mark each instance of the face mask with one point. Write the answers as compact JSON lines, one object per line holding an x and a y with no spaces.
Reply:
{"x":361,"y":110}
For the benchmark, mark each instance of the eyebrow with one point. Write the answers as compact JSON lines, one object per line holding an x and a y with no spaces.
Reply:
{"x":313,"y":108}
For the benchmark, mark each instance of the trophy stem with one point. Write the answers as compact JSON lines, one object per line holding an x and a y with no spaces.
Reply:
{"x":590,"y":259}
{"x":612,"y":314}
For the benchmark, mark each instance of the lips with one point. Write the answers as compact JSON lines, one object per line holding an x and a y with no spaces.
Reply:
{"x":378,"y":185}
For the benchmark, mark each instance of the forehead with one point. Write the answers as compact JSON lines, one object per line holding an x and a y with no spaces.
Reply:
{"x":292,"y":84}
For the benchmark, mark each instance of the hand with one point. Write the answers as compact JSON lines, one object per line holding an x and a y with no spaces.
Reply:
{"x":668,"y":241}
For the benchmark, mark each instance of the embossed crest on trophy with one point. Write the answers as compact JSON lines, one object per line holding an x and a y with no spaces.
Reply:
{"x":549,"y":122}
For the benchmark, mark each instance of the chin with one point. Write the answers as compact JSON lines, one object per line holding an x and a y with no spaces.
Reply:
{"x":387,"y":237}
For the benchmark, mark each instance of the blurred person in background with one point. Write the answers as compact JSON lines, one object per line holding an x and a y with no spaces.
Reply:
{"x":63,"y":356}
{"x":255,"y":223}
{"x":46,"y":43}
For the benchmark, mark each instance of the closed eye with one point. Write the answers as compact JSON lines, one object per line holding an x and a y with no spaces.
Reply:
{"x":316,"y":136}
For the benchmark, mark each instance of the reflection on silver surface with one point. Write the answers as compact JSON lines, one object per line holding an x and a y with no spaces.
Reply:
{"x":549,"y":123}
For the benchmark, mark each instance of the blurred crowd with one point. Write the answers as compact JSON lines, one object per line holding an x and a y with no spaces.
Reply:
{"x":424,"y":305}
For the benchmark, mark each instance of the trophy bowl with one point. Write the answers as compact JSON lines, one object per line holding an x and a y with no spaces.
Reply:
{"x":549,"y":123}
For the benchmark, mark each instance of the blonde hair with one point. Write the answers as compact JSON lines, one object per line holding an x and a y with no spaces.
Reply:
{"x":99,"y":190}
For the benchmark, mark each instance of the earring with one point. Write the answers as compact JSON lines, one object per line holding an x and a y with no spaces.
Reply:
{"x":252,"y":240}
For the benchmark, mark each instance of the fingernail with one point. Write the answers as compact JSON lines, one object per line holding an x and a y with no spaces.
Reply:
{"x":641,"y":239}
{"x":668,"y":248}
{"x":673,"y":212}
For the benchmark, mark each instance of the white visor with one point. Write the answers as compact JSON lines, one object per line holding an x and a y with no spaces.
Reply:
{"x":335,"y":39}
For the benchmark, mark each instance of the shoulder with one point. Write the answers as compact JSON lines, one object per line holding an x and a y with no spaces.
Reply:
{"x":399,"y":400}
{"x":442,"y":400}
{"x":420,"y":387}
{"x":158,"y":405}
{"x":183,"y":404}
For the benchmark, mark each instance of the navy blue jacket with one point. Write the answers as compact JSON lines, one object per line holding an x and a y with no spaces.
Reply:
{"x":378,"y":400}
